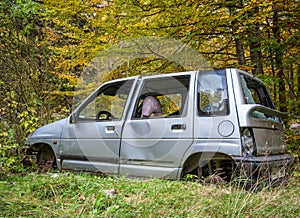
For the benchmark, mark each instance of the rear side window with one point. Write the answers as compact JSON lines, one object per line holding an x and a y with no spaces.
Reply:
{"x":212,"y":93}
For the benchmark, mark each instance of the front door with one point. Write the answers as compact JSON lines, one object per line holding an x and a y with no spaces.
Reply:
{"x":158,"y":129}
{"x":91,"y":141}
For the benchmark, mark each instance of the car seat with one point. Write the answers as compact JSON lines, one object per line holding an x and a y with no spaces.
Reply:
{"x":151,"y":106}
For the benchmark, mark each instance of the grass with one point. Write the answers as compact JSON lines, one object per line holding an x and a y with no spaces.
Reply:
{"x":85,"y":195}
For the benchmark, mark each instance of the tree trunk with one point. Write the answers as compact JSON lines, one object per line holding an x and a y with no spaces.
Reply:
{"x":298,"y":82}
{"x":256,"y":57}
{"x":254,"y":44}
{"x":279,"y":65}
{"x":240,"y":54}
{"x":239,"y":49}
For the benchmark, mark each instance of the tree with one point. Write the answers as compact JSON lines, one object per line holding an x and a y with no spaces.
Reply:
{"x":256,"y":35}
{"x":26,"y":81}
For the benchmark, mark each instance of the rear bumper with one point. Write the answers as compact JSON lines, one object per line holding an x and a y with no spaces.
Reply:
{"x":271,"y":168}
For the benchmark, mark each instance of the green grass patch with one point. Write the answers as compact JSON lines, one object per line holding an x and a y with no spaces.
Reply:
{"x":85,"y":195}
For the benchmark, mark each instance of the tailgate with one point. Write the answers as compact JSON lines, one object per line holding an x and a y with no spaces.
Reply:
{"x":266,"y":125}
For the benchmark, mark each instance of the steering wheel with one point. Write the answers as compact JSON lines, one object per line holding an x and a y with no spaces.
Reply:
{"x":139,"y":111}
{"x":108,"y":115}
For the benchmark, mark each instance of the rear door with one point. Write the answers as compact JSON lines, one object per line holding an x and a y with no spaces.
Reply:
{"x":153,"y":144}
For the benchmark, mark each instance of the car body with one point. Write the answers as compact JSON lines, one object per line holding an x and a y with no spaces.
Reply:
{"x":214,"y":122}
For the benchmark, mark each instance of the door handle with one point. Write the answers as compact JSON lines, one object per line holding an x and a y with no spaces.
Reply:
{"x":178,"y":127}
{"x":110,"y":129}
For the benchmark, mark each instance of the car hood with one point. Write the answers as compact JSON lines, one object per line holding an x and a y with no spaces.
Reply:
{"x":52,"y":130}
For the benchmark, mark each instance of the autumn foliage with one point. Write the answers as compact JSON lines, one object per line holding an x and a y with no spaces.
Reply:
{"x":46,"y":45}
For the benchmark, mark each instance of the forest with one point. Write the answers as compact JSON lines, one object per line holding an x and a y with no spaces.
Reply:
{"x":45,"y":46}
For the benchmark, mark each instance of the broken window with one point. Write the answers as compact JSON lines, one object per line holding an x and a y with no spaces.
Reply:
{"x":163,"y":97}
{"x":255,"y":92}
{"x":108,"y":103}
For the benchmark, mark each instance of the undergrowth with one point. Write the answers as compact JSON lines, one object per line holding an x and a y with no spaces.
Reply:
{"x":86,"y":195}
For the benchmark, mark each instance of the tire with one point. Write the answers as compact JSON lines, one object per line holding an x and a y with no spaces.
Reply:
{"x":209,"y":175}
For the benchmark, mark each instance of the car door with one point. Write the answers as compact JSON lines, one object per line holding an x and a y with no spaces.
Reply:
{"x":91,"y":140}
{"x":153,"y":142}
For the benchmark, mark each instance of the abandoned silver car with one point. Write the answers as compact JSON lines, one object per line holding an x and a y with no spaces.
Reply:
{"x":215,"y":122}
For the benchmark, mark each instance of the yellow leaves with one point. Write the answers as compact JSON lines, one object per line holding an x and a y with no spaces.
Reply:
{"x":4,"y":134}
{"x":240,"y":31}
{"x":255,"y":11}
{"x":62,"y":93}
{"x":51,"y":35}
{"x":71,"y":79}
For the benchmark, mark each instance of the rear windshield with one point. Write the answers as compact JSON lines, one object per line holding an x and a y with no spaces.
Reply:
{"x":212,"y":93}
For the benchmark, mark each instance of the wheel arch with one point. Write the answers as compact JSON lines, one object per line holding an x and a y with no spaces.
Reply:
{"x":219,"y":161}
{"x":37,"y":146}
{"x":44,"y":153}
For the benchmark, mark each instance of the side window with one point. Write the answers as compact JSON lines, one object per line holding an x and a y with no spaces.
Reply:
{"x":162,"y":97}
{"x":212,"y":94}
{"x":255,"y":92}
{"x":108,"y":103}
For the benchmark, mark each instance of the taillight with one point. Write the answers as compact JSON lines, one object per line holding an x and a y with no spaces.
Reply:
{"x":248,"y":142}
